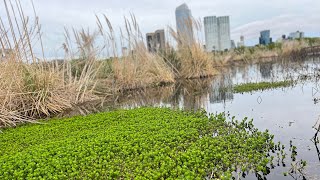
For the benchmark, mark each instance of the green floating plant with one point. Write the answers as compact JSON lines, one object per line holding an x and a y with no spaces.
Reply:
{"x":144,"y":143}
{"x":250,"y":87}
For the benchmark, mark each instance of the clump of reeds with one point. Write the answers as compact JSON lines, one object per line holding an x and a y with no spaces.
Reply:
{"x":194,"y":61}
{"x":137,"y":67}
{"x":31,"y":87}
{"x":289,"y":47}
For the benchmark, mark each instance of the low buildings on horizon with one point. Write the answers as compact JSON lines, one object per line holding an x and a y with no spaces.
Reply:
{"x":296,"y":35}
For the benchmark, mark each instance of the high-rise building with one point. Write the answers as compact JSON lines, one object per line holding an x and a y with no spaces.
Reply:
{"x":296,"y":35}
{"x":265,"y":38}
{"x":241,"y":38}
{"x":184,"y":23}
{"x":224,"y":32}
{"x":156,"y":41}
{"x":233,"y":44}
{"x":241,"y":43}
{"x":211,"y":30}
{"x":217,"y":33}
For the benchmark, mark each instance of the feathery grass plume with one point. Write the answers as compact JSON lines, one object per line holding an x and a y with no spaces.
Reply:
{"x":30,"y":87}
{"x":193,"y":60}
{"x":137,"y":68}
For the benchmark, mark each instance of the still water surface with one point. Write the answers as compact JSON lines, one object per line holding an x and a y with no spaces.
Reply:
{"x":289,"y":113}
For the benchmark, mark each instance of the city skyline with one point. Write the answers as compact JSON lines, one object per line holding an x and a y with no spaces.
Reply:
{"x":280,"y":17}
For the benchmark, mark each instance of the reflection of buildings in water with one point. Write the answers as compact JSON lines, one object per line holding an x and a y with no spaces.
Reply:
{"x":194,"y":102}
{"x":266,"y":70}
{"x":232,"y":71}
{"x":189,"y":95}
{"x":195,"y":94}
{"x":159,"y":96}
{"x":243,"y":71}
{"x":221,"y":90}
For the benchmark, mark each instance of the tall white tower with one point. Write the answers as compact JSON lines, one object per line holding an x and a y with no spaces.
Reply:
{"x":217,"y":33}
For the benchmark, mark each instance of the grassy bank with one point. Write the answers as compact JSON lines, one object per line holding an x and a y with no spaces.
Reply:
{"x":287,"y":49}
{"x":249,"y":87}
{"x":145,"y":143}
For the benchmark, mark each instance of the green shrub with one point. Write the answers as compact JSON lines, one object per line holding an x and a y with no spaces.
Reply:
{"x":145,"y":143}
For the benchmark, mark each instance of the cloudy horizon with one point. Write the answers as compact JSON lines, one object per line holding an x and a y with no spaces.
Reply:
{"x":247,"y":17}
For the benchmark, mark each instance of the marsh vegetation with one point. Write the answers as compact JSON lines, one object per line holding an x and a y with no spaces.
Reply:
{"x":250,"y":87}
{"x":94,"y":77}
{"x":32,"y":87}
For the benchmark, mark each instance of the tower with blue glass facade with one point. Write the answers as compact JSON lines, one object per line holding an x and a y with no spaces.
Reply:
{"x":265,"y":38}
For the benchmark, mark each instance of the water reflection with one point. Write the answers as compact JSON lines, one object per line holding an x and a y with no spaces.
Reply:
{"x":221,"y":90}
{"x":187,"y":94}
{"x":289,"y":113}
{"x":317,"y":149}
{"x":197,"y":94}
{"x":266,"y":70}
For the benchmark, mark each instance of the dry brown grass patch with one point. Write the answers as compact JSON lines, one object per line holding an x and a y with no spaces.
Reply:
{"x":30,"y":87}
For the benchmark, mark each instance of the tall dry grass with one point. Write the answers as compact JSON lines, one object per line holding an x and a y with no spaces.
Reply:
{"x":289,"y":47}
{"x":31,"y":87}
{"x":193,"y":60}
{"x":137,"y":67}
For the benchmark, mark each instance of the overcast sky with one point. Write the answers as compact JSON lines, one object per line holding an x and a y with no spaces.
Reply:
{"x":248,"y":17}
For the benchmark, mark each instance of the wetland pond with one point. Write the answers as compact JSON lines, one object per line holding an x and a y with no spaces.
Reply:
{"x":289,"y":113}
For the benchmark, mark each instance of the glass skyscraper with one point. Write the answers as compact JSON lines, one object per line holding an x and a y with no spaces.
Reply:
{"x":265,"y":38}
{"x":217,"y":33}
{"x":184,"y":23}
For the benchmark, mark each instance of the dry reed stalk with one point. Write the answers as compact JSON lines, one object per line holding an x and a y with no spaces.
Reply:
{"x":194,"y":61}
{"x":30,"y":87}
{"x":137,"y":68}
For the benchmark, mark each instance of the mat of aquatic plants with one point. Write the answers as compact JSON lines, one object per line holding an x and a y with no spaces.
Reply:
{"x":250,"y":87}
{"x":144,"y":143}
